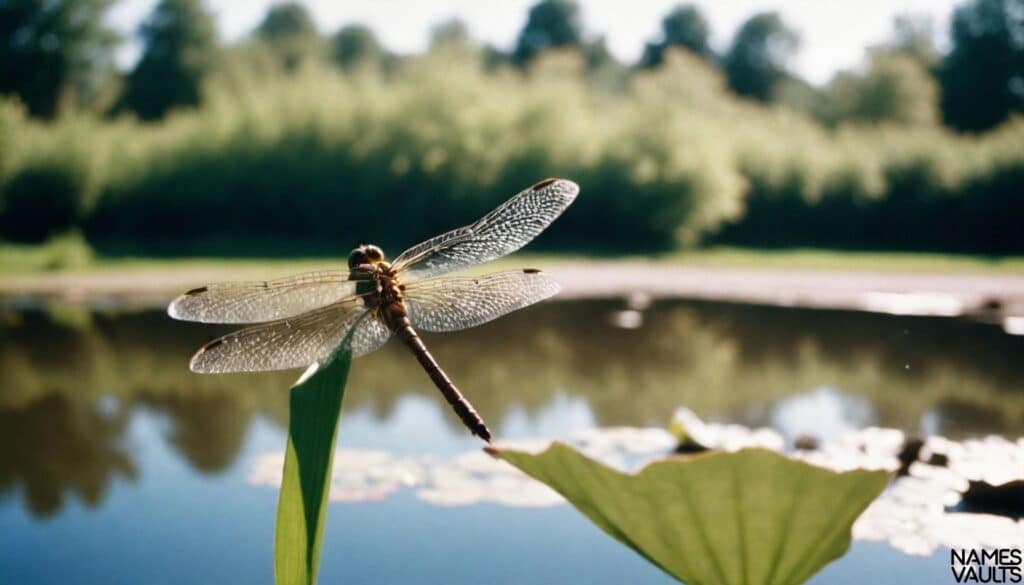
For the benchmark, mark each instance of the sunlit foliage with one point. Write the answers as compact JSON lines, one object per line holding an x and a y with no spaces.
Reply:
{"x":319,"y":142}
{"x":330,"y":158}
{"x":893,"y":88}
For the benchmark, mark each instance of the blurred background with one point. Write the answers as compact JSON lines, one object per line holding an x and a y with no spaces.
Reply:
{"x":795,"y":214}
{"x":181,"y":128}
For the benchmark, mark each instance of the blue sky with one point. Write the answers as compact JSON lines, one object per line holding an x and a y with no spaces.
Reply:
{"x":834,"y":32}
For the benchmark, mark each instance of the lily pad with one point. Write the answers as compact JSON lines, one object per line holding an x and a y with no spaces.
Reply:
{"x":315,"y":409}
{"x":752,"y":516}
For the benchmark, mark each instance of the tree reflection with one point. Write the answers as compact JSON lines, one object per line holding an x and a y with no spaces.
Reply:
{"x":54,"y":447}
{"x":208,"y":430}
{"x":722,"y":361}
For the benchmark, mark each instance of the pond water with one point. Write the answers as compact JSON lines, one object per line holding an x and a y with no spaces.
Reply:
{"x":117,"y":465}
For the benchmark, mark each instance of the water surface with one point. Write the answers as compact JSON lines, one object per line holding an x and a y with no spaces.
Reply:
{"x":117,"y":465}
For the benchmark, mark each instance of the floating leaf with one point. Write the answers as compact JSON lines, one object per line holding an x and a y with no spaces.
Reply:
{"x":315,"y":408}
{"x":752,"y":516}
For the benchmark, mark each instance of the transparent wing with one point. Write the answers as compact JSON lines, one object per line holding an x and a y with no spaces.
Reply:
{"x":294,"y":342}
{"x":369,"y":335}
{"x":460,"y":302}
{"x":259,"y":301}
{"x":502,"y":231}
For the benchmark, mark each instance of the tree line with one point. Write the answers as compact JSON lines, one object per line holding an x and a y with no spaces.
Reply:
{"x":290,"y":141}
{"x":58,"y":55}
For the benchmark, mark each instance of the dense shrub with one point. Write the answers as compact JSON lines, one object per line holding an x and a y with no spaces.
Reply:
{"x":47,"y":176}
{"x":320,"y":160}
{"x":39,"y":202}
{"x":892,"y":189}
{"x":334,"y":160}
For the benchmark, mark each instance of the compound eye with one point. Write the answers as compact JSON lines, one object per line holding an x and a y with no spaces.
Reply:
{"x":374,"y":254}
{"x":356,"y":257}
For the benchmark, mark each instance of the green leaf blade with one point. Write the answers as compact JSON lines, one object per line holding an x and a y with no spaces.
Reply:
{"x":315,"y":410}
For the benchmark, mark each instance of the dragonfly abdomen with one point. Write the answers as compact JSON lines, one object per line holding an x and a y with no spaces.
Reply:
{"x":461,"y":406}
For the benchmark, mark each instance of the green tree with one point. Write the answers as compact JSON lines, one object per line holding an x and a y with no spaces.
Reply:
{"x":450,"y":32}
{"x":550,"y":24}
{"x":355,"y":44}
{"x":797,"y":94}
{"x":756,"y":61}
{"x":596,"y":54}
{"x":180,"y":45}
{"x":914,"y":36}
{"x":683,"y":27}
{"x":289,"y":31}
{"x":54,"y":51}
{"x":895,"y":88}
{"x":983,"y":75}
{"x":495,"y":58}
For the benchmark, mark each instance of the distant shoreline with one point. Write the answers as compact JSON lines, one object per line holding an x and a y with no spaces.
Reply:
{"x":995,"y":296}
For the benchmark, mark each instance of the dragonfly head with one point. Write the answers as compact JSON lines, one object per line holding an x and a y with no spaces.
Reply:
{"x":365,"y":254}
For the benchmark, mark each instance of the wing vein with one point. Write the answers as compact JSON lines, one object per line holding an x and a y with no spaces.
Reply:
{"x":504,"y":230}
{"x":459,"y":302}
{"x":262,"y":301}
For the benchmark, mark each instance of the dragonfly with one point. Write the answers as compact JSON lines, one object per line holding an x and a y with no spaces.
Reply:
{"x":301,"y":320}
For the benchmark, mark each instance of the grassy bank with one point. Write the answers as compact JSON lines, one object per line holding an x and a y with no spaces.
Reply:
{"x":72,"y":255}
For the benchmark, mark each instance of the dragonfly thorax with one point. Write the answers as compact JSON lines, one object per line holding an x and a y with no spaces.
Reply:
{"x":365,"y":254}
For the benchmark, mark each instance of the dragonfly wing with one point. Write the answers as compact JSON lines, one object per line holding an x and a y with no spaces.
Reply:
{"x":460,"y":302}
{"x":502,"y":231}
{"x":369,"y":335}
{"x":260,"y":301}
{"x":293,"y":342}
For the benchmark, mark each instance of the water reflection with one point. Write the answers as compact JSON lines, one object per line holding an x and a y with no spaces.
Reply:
{"x":54,"y":447}
{"x":823,"y":414}
{"x":208,"y":429}
{"x":468,"y":478}
{"x":917,"y":514}
{"x":69,"y":382}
